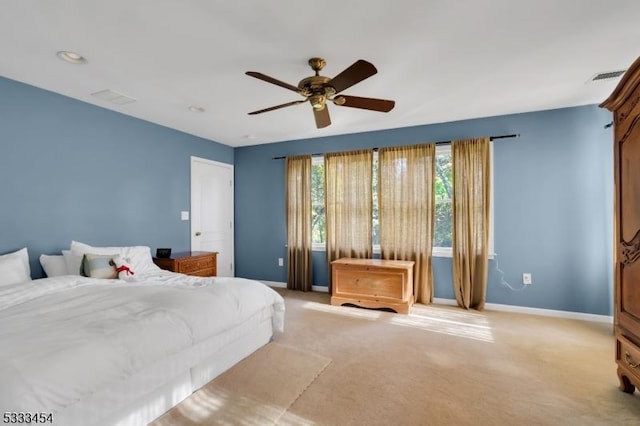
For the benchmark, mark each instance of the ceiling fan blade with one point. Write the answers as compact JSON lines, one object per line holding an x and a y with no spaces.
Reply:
{"x":322,"y":117}
{"x":382,"y":105}
{"x":272,"y":80}
{"x":357,"y":72}
{"x":277,"y":107}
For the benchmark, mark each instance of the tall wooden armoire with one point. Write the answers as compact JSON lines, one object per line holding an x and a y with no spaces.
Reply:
{"x":624,"y":102}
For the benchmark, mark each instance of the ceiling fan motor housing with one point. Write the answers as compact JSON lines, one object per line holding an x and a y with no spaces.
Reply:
{"x":316,"y":84}
{"x":317,"y":90}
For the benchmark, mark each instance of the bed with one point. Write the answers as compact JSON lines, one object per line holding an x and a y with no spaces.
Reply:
{"x":85,"y":350}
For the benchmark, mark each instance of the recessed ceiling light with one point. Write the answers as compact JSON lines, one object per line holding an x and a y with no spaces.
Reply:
{"x":71,"y":57}
{"x":194,"y":108}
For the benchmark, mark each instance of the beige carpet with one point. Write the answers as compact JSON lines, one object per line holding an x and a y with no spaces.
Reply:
{"x":440,"y":365}
{"x":256,"y":391}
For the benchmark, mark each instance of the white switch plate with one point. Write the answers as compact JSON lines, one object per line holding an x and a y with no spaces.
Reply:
{"x":184,"y":215}
{"x":280,"y":261}
{"x":526,"y":278}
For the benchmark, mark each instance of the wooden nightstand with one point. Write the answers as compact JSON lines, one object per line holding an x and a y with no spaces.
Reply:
{"x":200,"y":263}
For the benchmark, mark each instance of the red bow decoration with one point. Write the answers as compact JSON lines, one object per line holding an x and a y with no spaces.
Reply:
{"x":124,"y":268}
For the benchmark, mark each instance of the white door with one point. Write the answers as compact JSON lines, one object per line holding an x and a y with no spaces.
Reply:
{"x":212,"y":211}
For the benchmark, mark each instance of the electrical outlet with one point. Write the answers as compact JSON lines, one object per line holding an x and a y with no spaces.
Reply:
{"x":526,"y":278}
{"x":280,"y":261}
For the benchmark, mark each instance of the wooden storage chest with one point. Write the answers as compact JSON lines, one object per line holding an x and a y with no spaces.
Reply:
{"x":373,"y":283}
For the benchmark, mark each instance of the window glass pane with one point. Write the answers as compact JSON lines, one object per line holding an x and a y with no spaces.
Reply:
{"x":318,"y":222}
{"x":444,"y":196}
{"x":376,"y":222}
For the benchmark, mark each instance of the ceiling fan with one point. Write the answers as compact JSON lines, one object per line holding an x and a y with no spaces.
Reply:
{"x":319,"y":89}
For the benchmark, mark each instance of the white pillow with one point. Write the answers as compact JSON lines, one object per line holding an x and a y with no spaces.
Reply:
{"x":139,"y":257}
{"x":14,"y":267}
{"x":72,"y":261}
{"x":53,"y":265}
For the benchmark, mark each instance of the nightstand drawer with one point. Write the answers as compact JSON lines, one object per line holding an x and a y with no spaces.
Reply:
{"x":203,"y":264}
{"x":195,"y":264}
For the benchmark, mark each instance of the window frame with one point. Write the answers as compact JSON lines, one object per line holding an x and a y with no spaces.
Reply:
{"x":436,"y":251}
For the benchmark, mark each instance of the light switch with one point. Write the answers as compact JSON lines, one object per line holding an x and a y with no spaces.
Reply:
{"x":184,"y":215}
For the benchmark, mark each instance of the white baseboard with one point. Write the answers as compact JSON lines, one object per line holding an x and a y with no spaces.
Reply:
{"x":318,"y":288}
{"x":274,"y":284}
{"x":608,"y":319}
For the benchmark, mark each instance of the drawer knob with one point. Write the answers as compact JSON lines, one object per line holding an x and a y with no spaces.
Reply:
{"x":628,"y":358}
{"x":198,"y":233}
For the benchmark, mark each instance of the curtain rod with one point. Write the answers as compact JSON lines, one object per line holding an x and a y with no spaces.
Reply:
{"x":514,"y":135}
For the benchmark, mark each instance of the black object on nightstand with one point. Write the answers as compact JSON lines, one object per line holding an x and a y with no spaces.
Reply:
{"x":163,"y":253}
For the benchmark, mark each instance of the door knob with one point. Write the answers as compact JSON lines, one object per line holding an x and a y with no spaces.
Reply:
{"x":198,"y":233}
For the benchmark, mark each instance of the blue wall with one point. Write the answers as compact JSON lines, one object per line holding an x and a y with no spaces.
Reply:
{"x":71,"y":170}
{"x":553,"y":213}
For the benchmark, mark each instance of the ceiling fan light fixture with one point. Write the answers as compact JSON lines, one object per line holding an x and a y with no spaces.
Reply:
{"x":317,"y":102}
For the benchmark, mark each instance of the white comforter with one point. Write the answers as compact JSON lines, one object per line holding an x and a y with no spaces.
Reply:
{"x":64,"y":338}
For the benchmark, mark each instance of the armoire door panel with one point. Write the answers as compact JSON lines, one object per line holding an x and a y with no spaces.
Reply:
{"x":629,"y":174}
{"x":629,"y":290}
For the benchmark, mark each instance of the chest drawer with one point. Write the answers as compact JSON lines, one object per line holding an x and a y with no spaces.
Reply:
{"x":375,"y":282}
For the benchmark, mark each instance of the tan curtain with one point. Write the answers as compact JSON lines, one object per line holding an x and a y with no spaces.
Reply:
{"x":298,"y":205}
{"x":348,"y":205}
{"x":406,"y":211}
{"x":471,"y":204}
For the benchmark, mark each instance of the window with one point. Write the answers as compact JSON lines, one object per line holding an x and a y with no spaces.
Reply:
{"x":443,"y":202}
{"x":443,"y":188}
{"x":318,"y":221}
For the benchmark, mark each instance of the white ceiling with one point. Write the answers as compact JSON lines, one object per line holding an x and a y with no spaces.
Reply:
{"x":440,"y":60}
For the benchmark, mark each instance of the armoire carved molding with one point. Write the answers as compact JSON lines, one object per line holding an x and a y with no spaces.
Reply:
{"x":624,"y":102}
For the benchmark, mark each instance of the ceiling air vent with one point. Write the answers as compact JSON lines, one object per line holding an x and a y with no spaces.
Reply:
{"x":113,"y":97}
{"x":607,"y":75}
